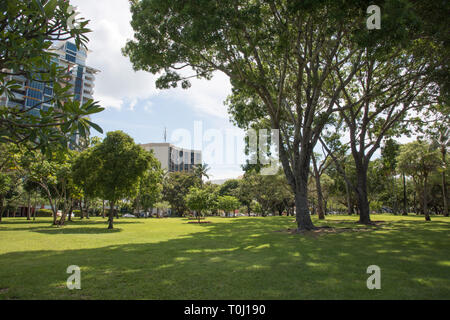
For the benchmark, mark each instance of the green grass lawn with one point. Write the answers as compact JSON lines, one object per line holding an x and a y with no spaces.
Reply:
{"x":231,"y":258}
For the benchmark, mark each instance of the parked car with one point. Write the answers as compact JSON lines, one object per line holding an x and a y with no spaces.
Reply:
{"x":127,"y":215}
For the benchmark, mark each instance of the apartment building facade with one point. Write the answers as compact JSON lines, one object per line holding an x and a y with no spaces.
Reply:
{"x":32,"y":92}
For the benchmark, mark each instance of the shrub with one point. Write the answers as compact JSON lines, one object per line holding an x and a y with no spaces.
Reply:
{"x":44,"y":213}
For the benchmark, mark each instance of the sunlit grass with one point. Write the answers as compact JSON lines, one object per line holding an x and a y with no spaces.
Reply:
{"x":231,"y":258}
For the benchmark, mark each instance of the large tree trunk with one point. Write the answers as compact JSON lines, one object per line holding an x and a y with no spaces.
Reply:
{"x":111,"y":215}
{"x":303,"y":216}
{"x":298,"y":180}
{"x":361,"y":190}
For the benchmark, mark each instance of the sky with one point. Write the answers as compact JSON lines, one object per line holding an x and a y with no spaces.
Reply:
{"x":135,"y":106}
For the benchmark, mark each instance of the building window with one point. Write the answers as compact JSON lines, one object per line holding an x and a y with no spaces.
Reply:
{"x":70,"y":58}
{"x":71,"y":46}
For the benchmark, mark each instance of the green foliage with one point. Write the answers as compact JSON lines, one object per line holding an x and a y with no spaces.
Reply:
{"x":199,"y":200}
{"x":228,"y":203}
{"x":150,"y":186}
{"x":418,"y":159}
{"x":229,"y":188}
{"x":44,"y":213}
{"x":175,"y":188}
{"x":119,"y":165}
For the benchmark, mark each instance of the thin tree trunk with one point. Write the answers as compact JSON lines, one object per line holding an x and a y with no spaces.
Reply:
{"x":111,"y":215}
{"x":425,"y":202}
{"x":320,"y":211}
{"x":34,"y":206}
{"x":71,"y":211}
{"x":405,"y":210}
{"x":103,"y":209}
{"x":86,"y":208}
{"x":138,"y":205}
{"x":444,"y":182}
{"x":29,"y":207}
{"x":349,"y":200}
{"x":394,"y":194}
{"x":2,"y":208}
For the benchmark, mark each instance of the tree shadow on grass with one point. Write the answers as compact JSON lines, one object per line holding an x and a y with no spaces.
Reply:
{"x":47,"y":225}
{"x":241,"y":259}
{"x":76,"y":230}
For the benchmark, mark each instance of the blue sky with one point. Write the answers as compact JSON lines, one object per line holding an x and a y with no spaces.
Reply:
{"x":132,"y":102}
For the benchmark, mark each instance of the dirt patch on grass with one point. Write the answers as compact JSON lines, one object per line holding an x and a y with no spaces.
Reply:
{"x":199,"y":222}
{"x":374,"y":223}
{"x":323,"y":231}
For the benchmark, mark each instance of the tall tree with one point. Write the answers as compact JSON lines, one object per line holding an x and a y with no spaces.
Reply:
{"x":438,"y":133}
{"x":150,"y":186}
{"x":120,"y":165}
{"x":389,"y":153}
{"x":175,"y":188}
{"x":85,"y":175}
{"x":279,"y":56}
{"x":228,"y":204}
{"x":199,"y":200}
{"x":380,"y":99}
{"x":418,"y":160}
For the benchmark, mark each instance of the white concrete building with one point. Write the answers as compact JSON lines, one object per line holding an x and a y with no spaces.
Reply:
{"x":174,"y":159}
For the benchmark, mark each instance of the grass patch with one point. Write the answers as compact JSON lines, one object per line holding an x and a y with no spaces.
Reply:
{"x":239,"y":258}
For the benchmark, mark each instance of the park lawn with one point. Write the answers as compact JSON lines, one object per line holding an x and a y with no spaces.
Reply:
{"x":231,"y":258}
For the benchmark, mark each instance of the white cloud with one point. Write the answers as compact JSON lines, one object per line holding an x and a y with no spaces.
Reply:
{"x":118,"y":83}
{"x":205,"y":96}
{"x":225,"y":172}
{"x":110,"y":25}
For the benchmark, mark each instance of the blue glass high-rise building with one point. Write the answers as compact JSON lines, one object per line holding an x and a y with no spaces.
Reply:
{"x":81,"y":77}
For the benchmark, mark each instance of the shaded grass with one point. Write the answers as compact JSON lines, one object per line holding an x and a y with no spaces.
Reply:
{"x":231,"y":258}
